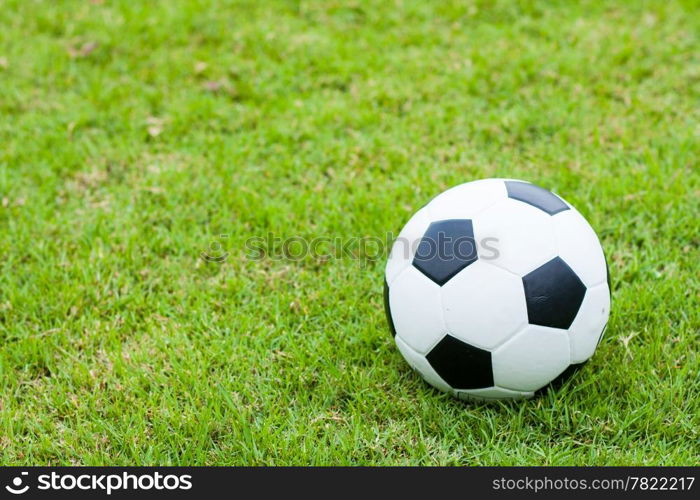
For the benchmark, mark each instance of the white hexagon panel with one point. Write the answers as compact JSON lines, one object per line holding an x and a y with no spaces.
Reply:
{"x":586,"y":330}
{"x":467,"y":200}
{"x":579,"y":246}
{"x":520,"y":235}
{"x":484,"y":305}
{"x":531,"y":359}
{"x":405,"y":245}
{"x":416,"y":309}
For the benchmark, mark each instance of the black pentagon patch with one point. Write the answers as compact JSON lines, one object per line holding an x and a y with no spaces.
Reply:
{"x":446,"y":248}
{"x":536,"y":196}
{"x":554,"y":294}
{"x":387,"y":310}
{"x":461,"y":365}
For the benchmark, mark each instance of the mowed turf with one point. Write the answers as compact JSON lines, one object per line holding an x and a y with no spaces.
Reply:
{"x":134,"y":134}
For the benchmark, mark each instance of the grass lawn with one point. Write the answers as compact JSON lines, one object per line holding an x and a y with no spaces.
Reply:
{"x":133,"y":135}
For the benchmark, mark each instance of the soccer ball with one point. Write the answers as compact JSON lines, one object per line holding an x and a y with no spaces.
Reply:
{"x":496,"y":288}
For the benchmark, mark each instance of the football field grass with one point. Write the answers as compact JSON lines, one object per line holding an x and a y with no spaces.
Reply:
{"x":136,"y":136}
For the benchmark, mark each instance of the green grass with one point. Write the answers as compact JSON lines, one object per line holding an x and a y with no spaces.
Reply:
{"x":133,"y":134}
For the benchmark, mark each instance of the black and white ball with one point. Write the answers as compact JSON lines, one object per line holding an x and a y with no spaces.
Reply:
{"x":495,"y":288}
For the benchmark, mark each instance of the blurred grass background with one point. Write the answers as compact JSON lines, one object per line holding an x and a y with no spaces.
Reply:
{"x":133,"y":134}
